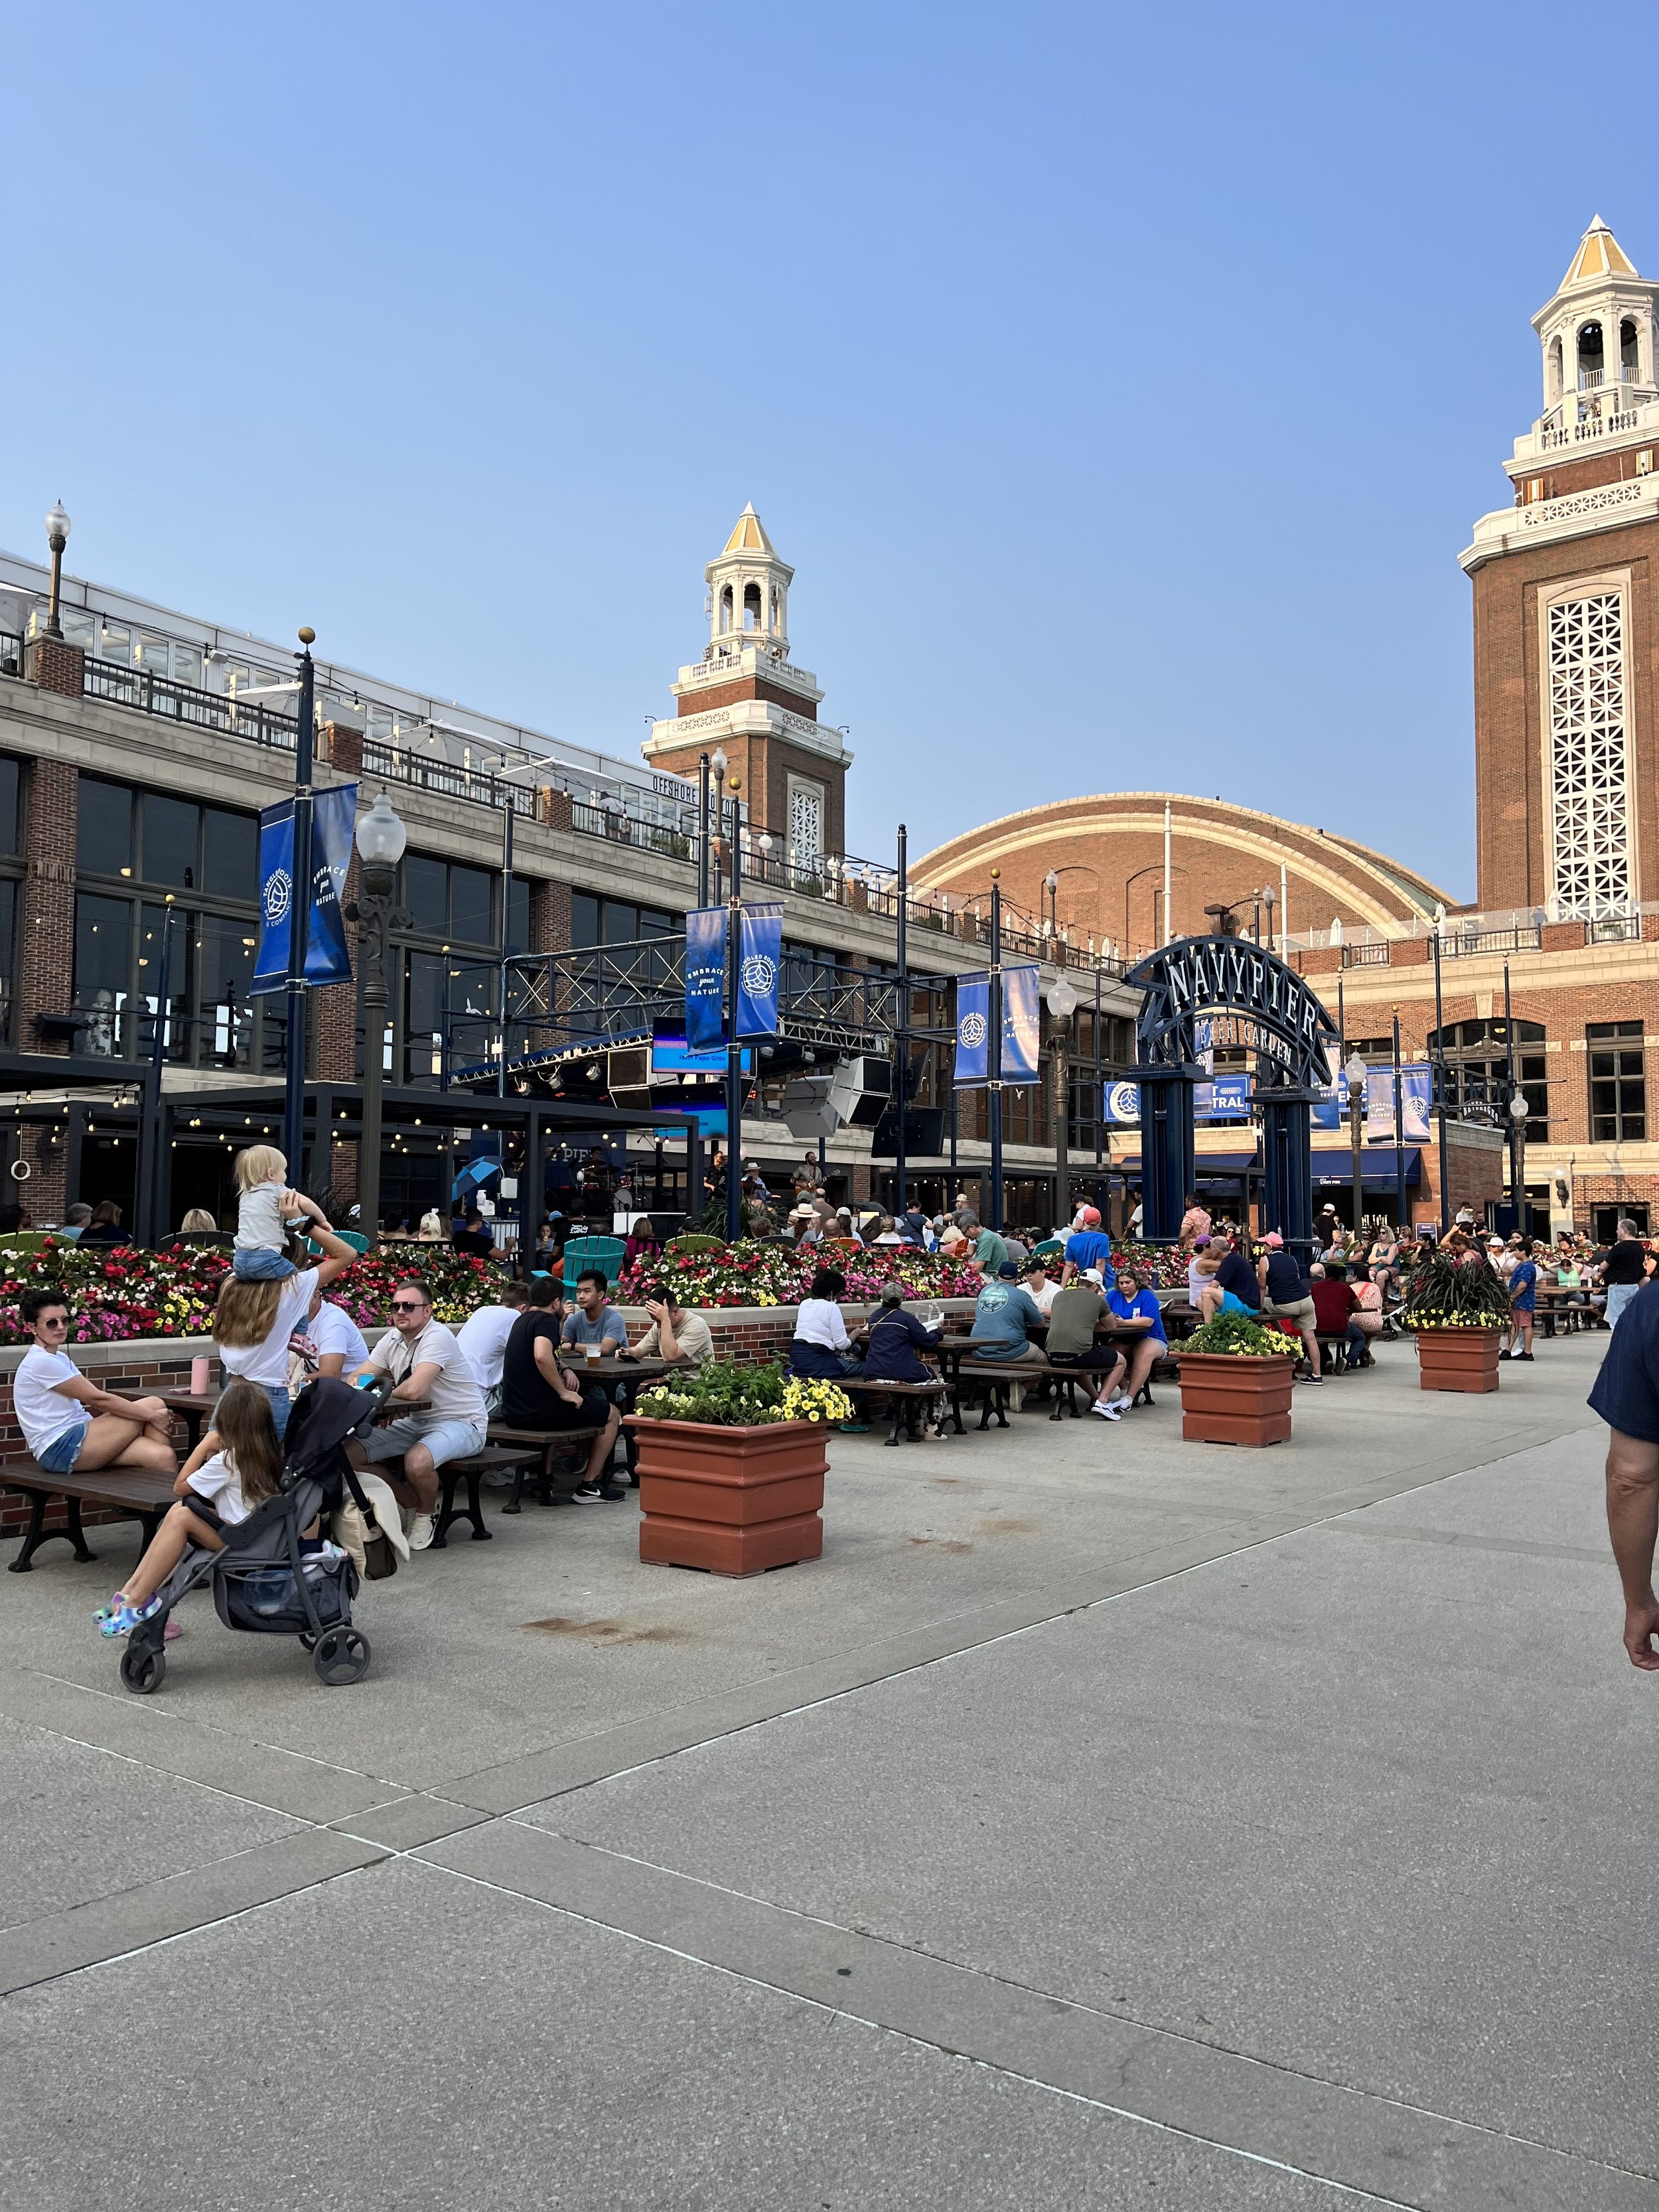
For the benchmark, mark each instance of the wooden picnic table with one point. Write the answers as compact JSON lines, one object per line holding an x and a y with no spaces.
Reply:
{"x":196,"y":1407}
{"x":620,"y":1380}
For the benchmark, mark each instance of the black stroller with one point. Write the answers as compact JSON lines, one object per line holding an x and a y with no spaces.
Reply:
{"x":261,"y":1580}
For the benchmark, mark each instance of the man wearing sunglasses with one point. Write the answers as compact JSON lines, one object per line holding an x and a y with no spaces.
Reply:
{"x":69,"y":1423}
{"x":425,"y":1362}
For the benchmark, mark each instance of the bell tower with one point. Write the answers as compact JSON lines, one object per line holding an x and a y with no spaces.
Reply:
{"x":746,"y":698}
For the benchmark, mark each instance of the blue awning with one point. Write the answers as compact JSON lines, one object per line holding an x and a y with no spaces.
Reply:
{"x":1378,"y":1168}
{"x":1230,"y":1164}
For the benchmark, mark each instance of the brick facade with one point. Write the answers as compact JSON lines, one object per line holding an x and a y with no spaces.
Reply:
{"x":748,"y":687}
{"x":47,"y":953}
{"x":55,"y":665}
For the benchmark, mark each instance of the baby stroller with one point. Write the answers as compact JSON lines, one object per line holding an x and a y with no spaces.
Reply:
{"x":262,"y":1583}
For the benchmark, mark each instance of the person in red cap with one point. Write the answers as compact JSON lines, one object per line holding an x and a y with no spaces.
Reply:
{"x":1090,"y":1247}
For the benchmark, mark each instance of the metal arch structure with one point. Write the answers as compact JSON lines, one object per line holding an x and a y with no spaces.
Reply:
{"x":1292,"y":1033}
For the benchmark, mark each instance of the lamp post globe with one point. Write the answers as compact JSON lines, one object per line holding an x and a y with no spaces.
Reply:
{"x":380,"y":835}
{"x":1355,"y":1070}
{"x":1062,"y":999}
{"x":1520,"y":1107}
{"x":58,"y":527}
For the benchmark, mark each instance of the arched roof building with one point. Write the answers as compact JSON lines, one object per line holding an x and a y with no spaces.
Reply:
{"x":1108,"y":852}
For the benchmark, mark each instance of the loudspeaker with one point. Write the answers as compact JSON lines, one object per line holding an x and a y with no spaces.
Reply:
{"x":924,"y":1134}
{"x":806,"y":1110}
{"x":860,"y":1090}
{"x":627,"y":1076}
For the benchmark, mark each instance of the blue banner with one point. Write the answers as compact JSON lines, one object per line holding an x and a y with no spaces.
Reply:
{"x":705,"y":978}
{"x":333,"y":815}
{"x":760,"y":948}
{"x":276,"y":897}
{"x":1022,"y":1024}
{"x":333,"y":818}
{"x":1416,"y":1099}
{"x":973,"y":1030}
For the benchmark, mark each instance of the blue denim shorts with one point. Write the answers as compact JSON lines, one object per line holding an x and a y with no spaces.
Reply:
{"x":262,"y":1266}
{"x":60,"y":1454}
{"x":280,"y":1404}
{"x":445,"y":1440}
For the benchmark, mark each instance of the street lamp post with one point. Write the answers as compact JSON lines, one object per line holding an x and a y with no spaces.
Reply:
{"x":1400,"y":1222}
{"x":994,"y":1057}
{"x":1520,"y":1107}
{"x":58,"y":530}
{"x":1355,"y":1072}
{"x":901,"y":1040}
{"x":1517,"y":1198}
{"x":1062,"y":1005}
{"x":733,"y":1050}
{"x":299,"y":921}
{"x":1440,"y":1070}
{"x":380,"y":839}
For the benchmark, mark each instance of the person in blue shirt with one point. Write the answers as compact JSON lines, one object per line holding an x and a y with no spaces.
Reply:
{"x":1090,"y":1247}
{"x":1523,"y":1300}
{"x":1132,"y":1300}
{"x":1626,"y":1396}
{"x":1003,"y":1313}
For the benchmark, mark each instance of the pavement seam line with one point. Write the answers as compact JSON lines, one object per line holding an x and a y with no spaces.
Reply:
{"x":920,"y":2042}
{"x":1176,"y":2035}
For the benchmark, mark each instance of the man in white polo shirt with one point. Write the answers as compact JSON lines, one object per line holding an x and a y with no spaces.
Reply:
{"x":424,"y":1361}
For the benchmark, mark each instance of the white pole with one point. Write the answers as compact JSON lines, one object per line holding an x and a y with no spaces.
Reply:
{"x":1284,"y":910}
{"x":1168,"y":933}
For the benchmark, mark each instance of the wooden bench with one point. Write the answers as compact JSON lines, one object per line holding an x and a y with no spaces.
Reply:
{"x":907,"y":1398}
{"x":471,"y":1470}
{"x":139,"y":1492}
{"x":1000,"y":1373}
{"x":549,"y":1442}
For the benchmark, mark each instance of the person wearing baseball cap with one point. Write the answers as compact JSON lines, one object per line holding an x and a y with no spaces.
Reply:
{"x":1089,"y":1247}
{"x":1073,"y":1319}
{"x":1003,"y":1315}
{"x":1287,"y":1295}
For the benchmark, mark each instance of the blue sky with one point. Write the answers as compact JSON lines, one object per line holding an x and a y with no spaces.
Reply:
{"x":1122,"y":383}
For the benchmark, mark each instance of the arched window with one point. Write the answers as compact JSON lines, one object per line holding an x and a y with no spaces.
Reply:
{"x":725,"y":606}
{"x":776,"y":624}
{"x":1627,"y":352}
{"x":751,"y":606}
{"x":1477,"y":1060}
{"x":1591,"y":363}
{"x":1555,"y":370}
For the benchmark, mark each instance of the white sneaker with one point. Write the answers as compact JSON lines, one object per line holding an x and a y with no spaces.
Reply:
{"x":1106,"y":1413}
{"x":419,"y":1528}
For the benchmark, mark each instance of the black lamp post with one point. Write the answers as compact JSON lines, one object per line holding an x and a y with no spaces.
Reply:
{"x":1440,"y":1071}
{"x":58,"y":530}
{"x":299,"y":921}
{"x":380,"y":838}
{"x":733,"y":1050}
{"x":901,"y":1045}
{"x":1062,"y":1005}
{"x":1355,"y":1072}
{"x":1400,"y":1222}
{"x":994,"y":1056}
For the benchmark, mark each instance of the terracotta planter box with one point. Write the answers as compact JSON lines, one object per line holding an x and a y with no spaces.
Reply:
{"x":1458,"y":1358}
{"x":733,"y":1501}
{"x":1225,"y":1400}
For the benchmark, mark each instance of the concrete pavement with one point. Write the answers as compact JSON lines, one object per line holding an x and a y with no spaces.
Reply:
{"x":1104,"y":1821}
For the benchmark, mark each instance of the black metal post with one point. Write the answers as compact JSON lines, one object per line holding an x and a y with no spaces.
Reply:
{"x":56,"y":540}
{"x":1400,"y":1216}
{"x":299,"y":908}
{"x":1100,"y":1095}
{"x":994,"y":1061}
{"x":901,"y":1046}
{"x":1357,"y":1137}
{"x":1440,"y":1083}
{"x":149,"y":1226}
{"x":507,"y":945}
{"x":693,"y":1132}
{"x":530,"y":1194}
{"x":1517,"y":1199}
{"x":733,"y":1050}
{"x":377,"y":883}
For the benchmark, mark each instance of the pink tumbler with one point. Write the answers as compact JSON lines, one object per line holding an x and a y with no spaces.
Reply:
{"x":198,"y":1378}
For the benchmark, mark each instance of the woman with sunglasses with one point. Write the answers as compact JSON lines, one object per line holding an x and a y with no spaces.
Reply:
{"x":69,"y":1423}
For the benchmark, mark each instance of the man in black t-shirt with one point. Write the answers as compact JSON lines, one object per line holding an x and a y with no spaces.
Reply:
{"x":1623,"y":1270}
{"x":539,"y":1391}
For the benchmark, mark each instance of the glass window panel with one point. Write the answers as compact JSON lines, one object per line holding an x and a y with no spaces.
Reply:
{"x":8,"y":949}
{"x":164,"y":955}
{"x":187,"y":665}
{"x":103,"y":955}
{"x":654,"y":923}
{"x":80,"y":629}
{"x":426,"y":894}
{"x":584,"y":919}
{"x":471,"y":920}
{"x":517,"y":922}
{"x":426,"y":976}
{"x":152,"y":652}
{"x":103,"y":842}
{"x":231,"y":853}
{"x":10,"y":826}
{"x":622,"y":922}
{"x":115,"y":643}
{"x":172,"y":832}
{"x":224,"y":951}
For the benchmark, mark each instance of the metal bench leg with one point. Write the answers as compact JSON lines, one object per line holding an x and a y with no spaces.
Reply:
{"x":956,"y":1408}
{"x":77,"y":1538}
{"x":898,"y":1407}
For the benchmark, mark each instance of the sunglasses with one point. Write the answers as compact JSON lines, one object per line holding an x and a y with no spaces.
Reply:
{"x":62,"y":1321}
{"x":408,"y":1305}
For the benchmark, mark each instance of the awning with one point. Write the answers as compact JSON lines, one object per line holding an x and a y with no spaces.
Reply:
{"x":1333,"y":1170}
{"x":1204,"y":1163}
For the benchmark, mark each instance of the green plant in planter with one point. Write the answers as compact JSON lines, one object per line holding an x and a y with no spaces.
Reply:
{"x":720,"y":1392}
{"x":1235,"y":1336}
{"x":1444,"y":1291}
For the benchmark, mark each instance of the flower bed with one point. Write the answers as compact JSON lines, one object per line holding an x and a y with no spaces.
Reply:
{"x":118,"y":1293}
{"x":749,"y":1274}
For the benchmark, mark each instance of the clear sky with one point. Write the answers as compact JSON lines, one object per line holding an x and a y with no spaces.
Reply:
{"x":1122,"y":383}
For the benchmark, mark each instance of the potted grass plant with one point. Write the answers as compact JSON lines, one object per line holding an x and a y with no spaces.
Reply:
{"x":1458,"y":1310}
{"x":1237,"y":1381}
{"x":731,"y":1464}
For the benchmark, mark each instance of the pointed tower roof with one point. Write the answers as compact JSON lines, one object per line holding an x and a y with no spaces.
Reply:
{"x":749,"y":536}
{"x":1599,"y":255}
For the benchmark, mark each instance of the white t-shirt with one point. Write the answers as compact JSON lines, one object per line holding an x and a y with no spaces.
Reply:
{"x":267,"y":1362}
{"x":217,"y":1482}
{"x":332,"y":1330}
{"x":482,"y":1340}
{"x":43,"y":1412}
{"x":819,"y":1322}
{"x":454,"y":1396}
{"x":260,"y":1219}
{"x":1044,"y":1298}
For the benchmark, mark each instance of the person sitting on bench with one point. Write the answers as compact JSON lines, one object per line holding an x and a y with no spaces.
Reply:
{"x":1004,"y":1316}
{"x":70,"y":1425}
{"x":892,"y":1353}
{"x":537,"y":1393}
{"x":1071,"y":1320}
{"x":1134,"y":1301}
{"x":674,"y":1333}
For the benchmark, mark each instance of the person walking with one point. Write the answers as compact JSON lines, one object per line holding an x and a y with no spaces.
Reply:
{"x":1523,"y":1299}
{"x":1625,"y":1271}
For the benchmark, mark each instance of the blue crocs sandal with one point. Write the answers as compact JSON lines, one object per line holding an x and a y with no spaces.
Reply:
{"x":123,"y":1618}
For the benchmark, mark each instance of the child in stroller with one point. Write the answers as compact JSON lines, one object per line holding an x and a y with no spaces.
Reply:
{"x":249,"y":1522}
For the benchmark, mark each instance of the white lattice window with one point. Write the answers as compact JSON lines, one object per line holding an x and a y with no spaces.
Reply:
{"x":1590,"y":868}
{"x":805,"y":819}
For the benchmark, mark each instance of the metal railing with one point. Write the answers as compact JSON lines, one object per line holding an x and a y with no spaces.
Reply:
{"x":184,"y":702}
{"x":1372,"y":955}
{"x":1614,"y":929}
{"x":11,"y":653}
{"x":1461,"y":944}
{"x":448,"y":779}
